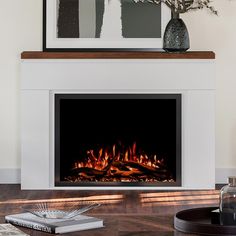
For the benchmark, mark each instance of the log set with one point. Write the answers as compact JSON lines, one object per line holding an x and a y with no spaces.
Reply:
{"x":118,"y":166}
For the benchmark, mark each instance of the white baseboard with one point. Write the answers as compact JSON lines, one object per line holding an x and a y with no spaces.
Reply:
{"x":222,"y":174}
{"x":9,"y":176}
{"x":12,"y":176}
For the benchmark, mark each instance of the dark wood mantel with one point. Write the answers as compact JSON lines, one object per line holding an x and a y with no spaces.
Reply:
{"x":118,"y":55}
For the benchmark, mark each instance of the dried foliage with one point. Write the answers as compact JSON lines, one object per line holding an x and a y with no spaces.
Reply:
{"x":182,"y":6}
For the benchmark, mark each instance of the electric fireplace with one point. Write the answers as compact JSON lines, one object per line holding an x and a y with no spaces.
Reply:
{"x":144,"y":134}
{"x":117,"y":139}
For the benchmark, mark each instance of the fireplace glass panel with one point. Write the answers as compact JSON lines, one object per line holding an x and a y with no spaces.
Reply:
{"x":117,"y":139}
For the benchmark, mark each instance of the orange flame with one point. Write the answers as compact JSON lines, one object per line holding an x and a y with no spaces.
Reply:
{"x":101,"y":159}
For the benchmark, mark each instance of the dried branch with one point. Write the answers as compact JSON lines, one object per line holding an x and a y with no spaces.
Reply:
{"x":182,"y":6}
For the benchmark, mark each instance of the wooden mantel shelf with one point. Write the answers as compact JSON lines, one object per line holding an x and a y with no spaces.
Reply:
{"x":118,"y":55}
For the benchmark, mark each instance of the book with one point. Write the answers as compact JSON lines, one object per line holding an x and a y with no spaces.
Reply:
{"x":10,"y":230}
{"x":55,"y":226}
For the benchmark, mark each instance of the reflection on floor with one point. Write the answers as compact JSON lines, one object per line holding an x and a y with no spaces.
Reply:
{"x":125,"y":213}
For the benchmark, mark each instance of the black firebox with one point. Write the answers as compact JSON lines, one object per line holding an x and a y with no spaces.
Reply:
{"x":118,"y":140}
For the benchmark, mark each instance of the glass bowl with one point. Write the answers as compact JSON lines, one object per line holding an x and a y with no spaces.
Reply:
{"x":60,"y":210}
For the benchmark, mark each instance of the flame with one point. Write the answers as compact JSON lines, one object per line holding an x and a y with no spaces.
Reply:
{"x":117,"y":163}
{"x":100,"y":160}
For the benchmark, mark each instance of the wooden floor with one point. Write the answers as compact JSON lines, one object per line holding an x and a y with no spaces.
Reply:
{"x":125,"y":213}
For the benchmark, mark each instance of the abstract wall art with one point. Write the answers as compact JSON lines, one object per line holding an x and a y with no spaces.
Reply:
{"x":103,"y":24}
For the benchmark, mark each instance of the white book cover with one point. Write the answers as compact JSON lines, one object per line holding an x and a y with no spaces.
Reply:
{"x":78,"y":223}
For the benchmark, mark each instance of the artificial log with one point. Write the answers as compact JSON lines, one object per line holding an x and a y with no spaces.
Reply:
{"x":91,"y":171}
{"x":121,"y":170}
{"x":128,"y":173}
{"x":144,"y":168}
{"x":88,"y":171}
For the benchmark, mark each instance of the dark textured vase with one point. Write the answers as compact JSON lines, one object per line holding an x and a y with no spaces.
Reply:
{"x":176,"y":37}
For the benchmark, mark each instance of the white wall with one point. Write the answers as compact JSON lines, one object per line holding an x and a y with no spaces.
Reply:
{"x":209,"y":32}
{"x":21,"y":29}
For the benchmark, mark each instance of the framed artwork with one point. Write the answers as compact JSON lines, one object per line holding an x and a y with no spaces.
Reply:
{"x":97,"y":25}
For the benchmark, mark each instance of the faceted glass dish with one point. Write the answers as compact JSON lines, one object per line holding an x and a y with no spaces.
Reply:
{"x":58,"y":210}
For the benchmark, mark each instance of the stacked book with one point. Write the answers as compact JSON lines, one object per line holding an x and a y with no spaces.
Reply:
{"x":56,"y":221}
{"x":57,"y":226}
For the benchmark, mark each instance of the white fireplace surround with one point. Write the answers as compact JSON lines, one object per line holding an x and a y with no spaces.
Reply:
{"x":194,"y":79}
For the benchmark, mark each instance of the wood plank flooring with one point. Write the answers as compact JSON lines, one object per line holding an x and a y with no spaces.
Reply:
{"x":125,"y":213}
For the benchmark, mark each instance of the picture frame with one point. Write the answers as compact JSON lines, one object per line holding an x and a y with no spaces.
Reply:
{"x":91,"y":31}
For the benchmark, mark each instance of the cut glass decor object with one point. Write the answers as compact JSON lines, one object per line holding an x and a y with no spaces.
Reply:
{"x":63,"y":211}
{"x":228,"y":203}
